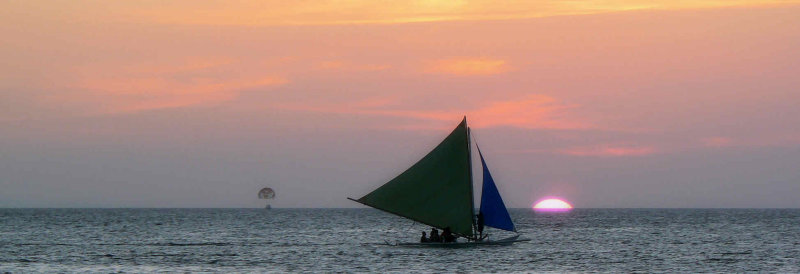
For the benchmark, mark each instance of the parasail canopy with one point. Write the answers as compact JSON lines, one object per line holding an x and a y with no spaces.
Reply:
{"x":266,"y":193}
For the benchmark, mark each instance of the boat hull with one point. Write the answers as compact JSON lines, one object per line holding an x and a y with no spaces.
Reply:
{"x":504,"y":241}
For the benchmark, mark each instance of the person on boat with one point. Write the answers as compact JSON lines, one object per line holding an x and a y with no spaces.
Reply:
{"x":423,"y":239}
{"x":435,"y":236}
{"x":480,"y":224}
{"x":448,"y":236}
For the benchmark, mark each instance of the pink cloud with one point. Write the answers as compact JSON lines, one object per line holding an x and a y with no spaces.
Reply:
{"x":608,"y":151}
{"x":761,"y":140}
{"x":349,"y":66}
{"x":717,"y":142}
{"x":531,"y":111}
{"x":468,"y":66}
{"x":157,"y":85}
{"x":139,"y":94}
{"x":168,"y":67}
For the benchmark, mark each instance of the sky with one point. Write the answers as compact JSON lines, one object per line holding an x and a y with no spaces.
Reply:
{"x":616,"y":103}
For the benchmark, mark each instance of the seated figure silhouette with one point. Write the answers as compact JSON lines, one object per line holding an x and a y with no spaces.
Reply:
{"x":448,"y":236}
{"x":435,"y":236}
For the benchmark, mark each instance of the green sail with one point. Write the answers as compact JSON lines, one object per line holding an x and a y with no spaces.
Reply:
{"x":436,"y":191}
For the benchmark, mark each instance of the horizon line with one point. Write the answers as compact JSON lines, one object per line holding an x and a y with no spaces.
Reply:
{"x":578,"y":208}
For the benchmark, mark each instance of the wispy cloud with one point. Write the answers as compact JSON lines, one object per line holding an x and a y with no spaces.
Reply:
{"x":717,"y":141}
{"x":338,"y":65}
{"x":468,"y":66}
{"x":608,"y":151}
{"x":532,"y":111}
{"x":332,"y":12}
{"x":140,"y":94}
{"x":761,"y":140}
{"x":147,"y":86}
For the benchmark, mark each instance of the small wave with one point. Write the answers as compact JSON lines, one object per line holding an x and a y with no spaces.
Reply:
{"x":724,"y":260}
{"x":737,"y":253}
{"x":195,"y":244}
{"x":122,"y":244}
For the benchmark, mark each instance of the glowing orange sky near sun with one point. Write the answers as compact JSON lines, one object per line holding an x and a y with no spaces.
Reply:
{"x":552,"y":204}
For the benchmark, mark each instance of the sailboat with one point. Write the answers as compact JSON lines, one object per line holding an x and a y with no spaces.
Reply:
{"x":437,"y":191}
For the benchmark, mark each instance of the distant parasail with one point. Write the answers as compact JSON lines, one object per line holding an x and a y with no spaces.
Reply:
{"x":266,"y":194}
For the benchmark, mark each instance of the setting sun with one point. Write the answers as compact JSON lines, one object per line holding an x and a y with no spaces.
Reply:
{"x":552,"y":204}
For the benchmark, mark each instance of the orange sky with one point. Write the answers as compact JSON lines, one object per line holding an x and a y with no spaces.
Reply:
{"x":588,"y":80}
{"x":332,"y":12}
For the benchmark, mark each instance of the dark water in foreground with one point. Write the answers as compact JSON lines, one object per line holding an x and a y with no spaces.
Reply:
{"x":294,"y":240}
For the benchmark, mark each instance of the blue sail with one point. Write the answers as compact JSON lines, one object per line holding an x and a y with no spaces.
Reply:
{"x":493,"y":210}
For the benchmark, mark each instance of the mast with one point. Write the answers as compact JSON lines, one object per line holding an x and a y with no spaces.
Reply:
{"x":471,"y":191}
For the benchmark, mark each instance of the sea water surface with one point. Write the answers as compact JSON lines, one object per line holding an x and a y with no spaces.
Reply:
{"x":349,"y":240}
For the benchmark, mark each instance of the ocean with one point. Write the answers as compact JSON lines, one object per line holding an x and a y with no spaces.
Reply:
{"x":349,"y":240}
